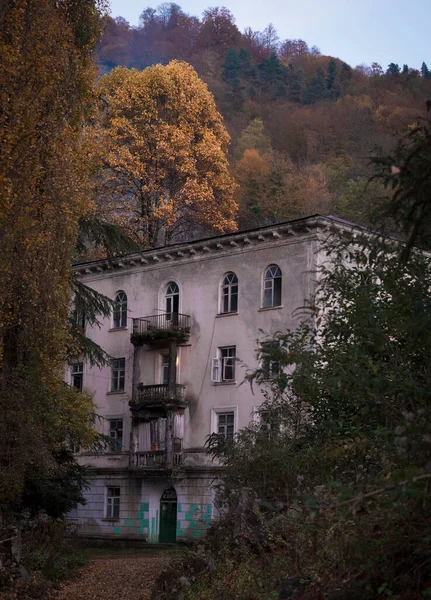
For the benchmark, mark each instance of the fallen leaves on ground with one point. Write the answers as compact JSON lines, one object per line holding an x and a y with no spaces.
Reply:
{"x":126,"y":578}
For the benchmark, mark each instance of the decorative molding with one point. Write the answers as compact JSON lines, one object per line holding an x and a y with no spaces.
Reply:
{"x":225,"y":244}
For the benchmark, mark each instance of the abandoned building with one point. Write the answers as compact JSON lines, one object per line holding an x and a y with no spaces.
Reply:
{"x":187,"y":321}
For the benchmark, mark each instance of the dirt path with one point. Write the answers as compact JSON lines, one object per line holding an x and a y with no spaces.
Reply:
{"x":125,"y":578}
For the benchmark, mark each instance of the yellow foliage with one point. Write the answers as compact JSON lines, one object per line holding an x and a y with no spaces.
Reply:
{"x":272,"y":186}
{"x":161,"y":146}
{"x":46,"y":74}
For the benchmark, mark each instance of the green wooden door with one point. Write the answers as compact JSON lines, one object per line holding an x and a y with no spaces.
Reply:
{"x":168,"y":517}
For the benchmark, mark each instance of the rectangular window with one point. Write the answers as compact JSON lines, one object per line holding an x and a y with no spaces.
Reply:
{"x":158,"y":428}
{"x":266,"y":420}
{"x":227,"y":355}
{"x":226,"y":424}
{"x":272,"y":292}
{"x":112,"y":503}
{"x":165,"y":368}
{"x":223,"y":367}
{"x":270,"y":366}
{"x":77,"y":375}
{"x":268,"y":293}
{"x":78,"y":318}
{"x":118,"y":374}
{"x":116,"y":433}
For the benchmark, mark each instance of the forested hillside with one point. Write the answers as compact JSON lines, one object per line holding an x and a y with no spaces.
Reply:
{"x":302,"y":125}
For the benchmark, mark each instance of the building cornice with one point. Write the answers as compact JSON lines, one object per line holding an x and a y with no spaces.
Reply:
{"x":209,"y":247}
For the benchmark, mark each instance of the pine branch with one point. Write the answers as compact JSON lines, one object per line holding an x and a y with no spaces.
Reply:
{"x":91,"y":303}
{"x":104,"y":235}
{"x":92,"y":352}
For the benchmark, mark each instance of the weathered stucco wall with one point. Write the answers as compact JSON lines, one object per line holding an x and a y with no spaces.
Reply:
{"x":199,"y":278}
{"x":198,"y":269}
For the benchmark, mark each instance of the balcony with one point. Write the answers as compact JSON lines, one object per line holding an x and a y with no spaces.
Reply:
{"x":158,"y":329}
{"x":150,"y":396}
{"x":161,"y":394}
{"x":157,"y":459}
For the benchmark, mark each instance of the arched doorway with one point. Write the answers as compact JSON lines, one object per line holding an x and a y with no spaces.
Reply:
{"x":168,"y":517}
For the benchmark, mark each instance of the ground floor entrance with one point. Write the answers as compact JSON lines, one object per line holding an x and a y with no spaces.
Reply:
{"x":168,"y":517}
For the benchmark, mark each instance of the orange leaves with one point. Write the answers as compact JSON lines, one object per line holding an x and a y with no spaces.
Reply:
{"x":272,"y":186}
{"x":162,"y":153}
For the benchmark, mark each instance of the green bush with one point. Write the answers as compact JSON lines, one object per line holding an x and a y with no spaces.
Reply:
{"x":331,"y":484}
{"x":49,"y":548}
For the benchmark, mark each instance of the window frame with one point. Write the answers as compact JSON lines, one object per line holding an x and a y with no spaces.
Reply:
{"x":224,"y":410}
{"x":265,"y":424}
{"x":73,"y":374}
{"x":220,"y":364}
{"x":164,"y":368}
{"x":117,"y":377}
{"x":170,"y":297}
{"x":227,"y":293}
{"x":271,"y":368}
{"x":79,"y":319}
{"x":119,"y":312}
{"x":116,"y":447}
{"x":269,"y":285}
{"x":112,"y":507}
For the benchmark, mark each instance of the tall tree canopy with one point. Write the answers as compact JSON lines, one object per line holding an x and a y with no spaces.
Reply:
{"x":164,"y":170}
{"x":314,"y":109}
{"x":46,"y":74}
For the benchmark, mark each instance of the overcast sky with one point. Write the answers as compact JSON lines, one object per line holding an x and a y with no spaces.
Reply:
{"x":357,"y":32}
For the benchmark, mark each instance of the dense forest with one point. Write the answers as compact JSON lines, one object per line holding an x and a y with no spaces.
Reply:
{"x":303,"y":125}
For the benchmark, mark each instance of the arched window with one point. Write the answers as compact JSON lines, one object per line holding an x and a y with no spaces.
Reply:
{"x":229,"y":294}
{"x":272,"y":287}
{"x":172,"y":300}
{"x":119,"y":316}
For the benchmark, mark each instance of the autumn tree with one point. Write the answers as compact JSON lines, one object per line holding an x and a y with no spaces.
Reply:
{"x":406,"y":175}
{"x":314,"y":108}
{"x":272,"y":189}
{"x":253,"y":137}
{"x":46,"y":74}
{"x":164,"y":172}
{"x":218,"y":30}
{"x":291,"y":49}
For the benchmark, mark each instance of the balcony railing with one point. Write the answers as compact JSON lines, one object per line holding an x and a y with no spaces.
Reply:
{"x":160,"y":393}
{"x":162,"y":322}
{"x":157,"y":459}
{"x":161,"y":329}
